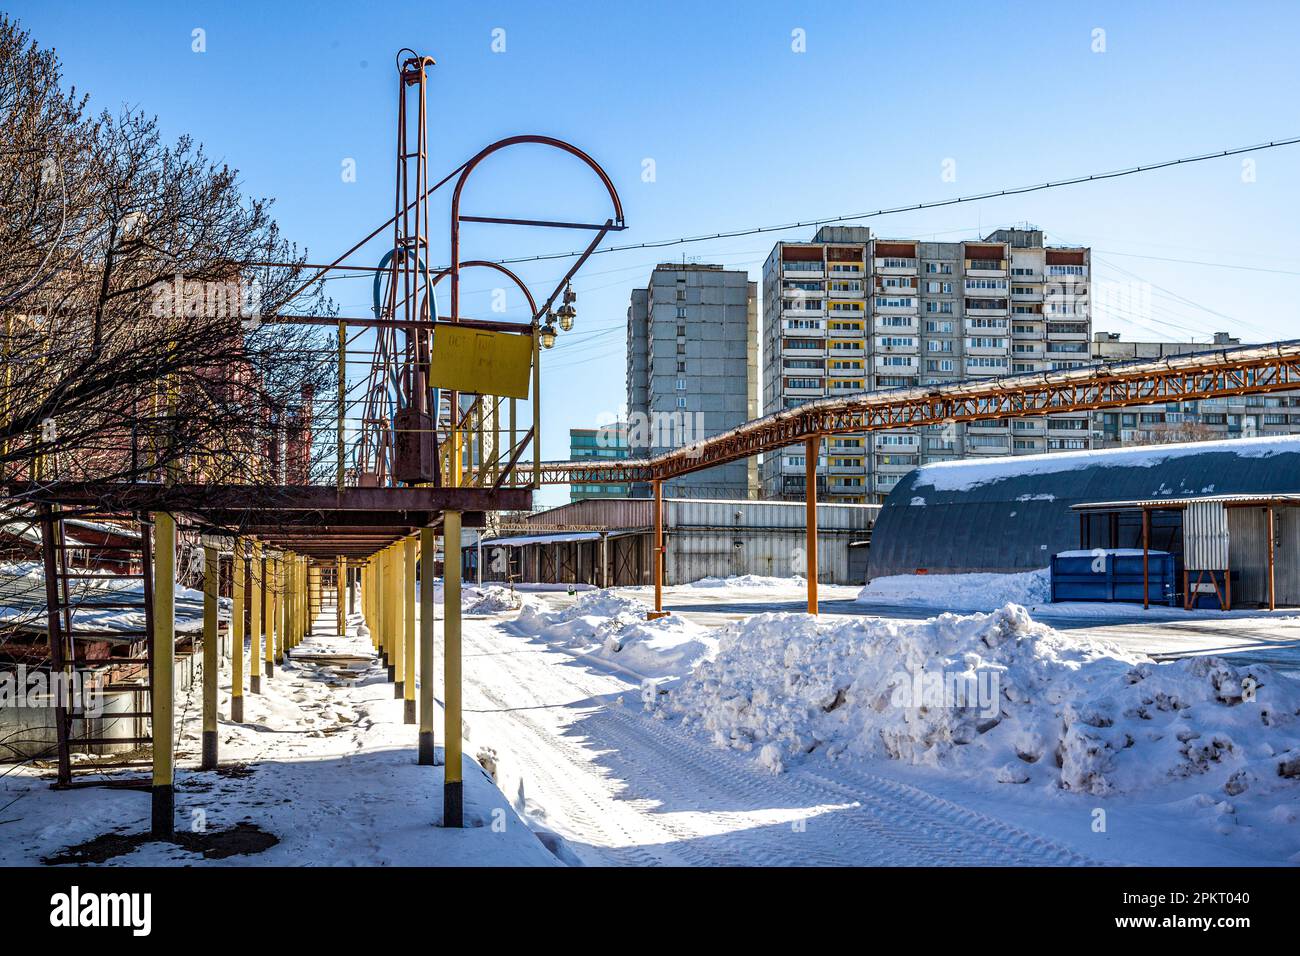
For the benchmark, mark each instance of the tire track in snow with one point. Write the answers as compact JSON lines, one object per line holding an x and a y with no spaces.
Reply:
{"x":604,"y":774}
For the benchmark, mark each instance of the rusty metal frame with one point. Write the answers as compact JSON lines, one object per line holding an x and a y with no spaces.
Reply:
{"x":1250,"y":370}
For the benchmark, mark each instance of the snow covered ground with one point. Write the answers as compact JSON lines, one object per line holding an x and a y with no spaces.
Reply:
{"x":1065,"y":750}
{"x":323,"y":762}
{"x":773,"y":739}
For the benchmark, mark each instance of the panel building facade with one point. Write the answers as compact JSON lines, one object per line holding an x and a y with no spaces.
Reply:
{"x":692,"y":370}
{"x":849,"y":312}
{"x":607,"y":443}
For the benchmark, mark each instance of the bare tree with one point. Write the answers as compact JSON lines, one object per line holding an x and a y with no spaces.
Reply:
{"x":136,"y":307}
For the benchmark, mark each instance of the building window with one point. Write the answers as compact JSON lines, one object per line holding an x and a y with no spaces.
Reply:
{"x":681,"y":402}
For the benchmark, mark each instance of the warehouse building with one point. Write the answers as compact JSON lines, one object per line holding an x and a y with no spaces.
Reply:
{"x":1013,"y":514}
{"x":608,"y":543}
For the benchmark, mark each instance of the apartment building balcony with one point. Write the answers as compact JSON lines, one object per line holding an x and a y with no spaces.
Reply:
{"x":803,"y":353}
{"x":996,"y":426}
{"x":835,"y":293}
{"x":896,"y":305}
{"x":848,"y":350}
{"x":858,"y":467}
{"x":900,"y":324}
{"x":1066,"y":427}
{"x":975,"y":347}
{"x":1034,"y":295}
{"x":1027,"y":352}
{"x":802,"y":270}
{"x":803,"y":312}
{"x":896,"y":364}
{"x":793,"y":330}
{"x":1056,"y":273}
{"x":1024,"y":279}
{"x":846,"y":270}
{"x":885,"y":483}
{"x":1029,"y":428}
{"x":986,"y":268}
{"x":986,"y":307}
{"x":803,"y":387}
{"x":978,"y":370}
{"x":1068,"y":333}
{"x":897,"y":443}
{"x":896,"y":464}
{"x":894,"y":266}
{"x":992,"y":446}
{"x":882,"y":346}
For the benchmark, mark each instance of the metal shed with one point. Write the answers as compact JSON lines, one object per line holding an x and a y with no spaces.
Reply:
{"x":608,"y":542}
{"x":1012,"y":514}
{"x":1240,"y":549}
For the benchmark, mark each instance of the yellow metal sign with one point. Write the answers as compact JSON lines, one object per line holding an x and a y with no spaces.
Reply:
{"x":481,"y":362}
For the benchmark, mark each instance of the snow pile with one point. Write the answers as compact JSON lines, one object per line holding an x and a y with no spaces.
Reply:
{"x":748,"y":581}
{"x":998,"y":696}
{"x":614,"y":629}
{"x":961,"y":592}
{"x":492,"y":600}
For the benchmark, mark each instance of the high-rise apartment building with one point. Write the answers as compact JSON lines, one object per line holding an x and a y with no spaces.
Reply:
{"x":692,"y":370}
{"x":849,"y":312}
{"x":1241,"y":416}
{"x":607,"y":443}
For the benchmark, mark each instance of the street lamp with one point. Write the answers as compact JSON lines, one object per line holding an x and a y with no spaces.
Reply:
{"x":547,"y":335}
{"x":566,"y":312}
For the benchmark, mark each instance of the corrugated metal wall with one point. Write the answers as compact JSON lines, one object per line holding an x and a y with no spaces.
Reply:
{"x":1205,"y":536}
{"x":1248,"y":529}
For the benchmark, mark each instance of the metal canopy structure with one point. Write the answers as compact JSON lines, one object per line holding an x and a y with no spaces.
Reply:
{"x":425,"y":462}
{"x":1212,"y":374}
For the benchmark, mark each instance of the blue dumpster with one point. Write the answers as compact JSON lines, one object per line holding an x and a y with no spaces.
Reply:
{"x":1113,"y":574}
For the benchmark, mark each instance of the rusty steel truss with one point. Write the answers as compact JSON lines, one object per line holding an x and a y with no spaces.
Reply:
{"x":1217,"y":374}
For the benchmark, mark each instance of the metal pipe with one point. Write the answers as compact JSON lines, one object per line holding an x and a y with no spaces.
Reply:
{"x":1272,"y":545}
{"x":658,"y":550}
{"x":812,"y":448}
{"x":1146,"y":558}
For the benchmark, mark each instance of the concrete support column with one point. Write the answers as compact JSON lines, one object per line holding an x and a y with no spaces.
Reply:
{"x":427,"y":549}
{"x":453,"y":795}
{"x":408,"y":650}
{"x":211,"y":674}
{"x":238,"y":575}
{"x":162,"y":676}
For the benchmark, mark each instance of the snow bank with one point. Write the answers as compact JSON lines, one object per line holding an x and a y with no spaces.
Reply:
{"x":961,"y":592}
{"x":998,"y":696}
{"x":614,"y":629}
{"x":492,"y":599}
{"x":748,"y":581}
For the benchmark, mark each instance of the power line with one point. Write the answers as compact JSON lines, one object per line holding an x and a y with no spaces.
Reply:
{"x":933,"y":204}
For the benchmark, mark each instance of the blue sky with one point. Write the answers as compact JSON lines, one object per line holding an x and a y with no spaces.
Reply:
{"x":744,"y":131}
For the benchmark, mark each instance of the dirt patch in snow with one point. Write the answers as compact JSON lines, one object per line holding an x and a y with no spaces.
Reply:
{"x":240,"y":840}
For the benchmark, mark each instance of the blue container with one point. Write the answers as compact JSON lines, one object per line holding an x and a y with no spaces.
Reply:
{"x":1113,"y":575}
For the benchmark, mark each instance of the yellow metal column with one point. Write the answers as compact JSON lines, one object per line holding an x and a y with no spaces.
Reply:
{"x":257,"y":591}
{"x":384,"y":593}
{"x":316,"y":594}
{"x":426,"y":757}
{"x":210,"y":664}
{"x":272,"y":612}
{"x":238,"y":571}
{"x":397,"y":632}
{"x":161,"y":675}
{"x":453,"y":796}
{"x":408,"y":663}
{"x":340,"y":594}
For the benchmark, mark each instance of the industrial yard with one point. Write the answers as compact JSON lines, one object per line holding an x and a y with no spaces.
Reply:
{"x":609,"y":441}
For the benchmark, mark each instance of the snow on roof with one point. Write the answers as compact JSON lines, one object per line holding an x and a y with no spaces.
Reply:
{"x":964,"y":474}
{"x":521,"y":540}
